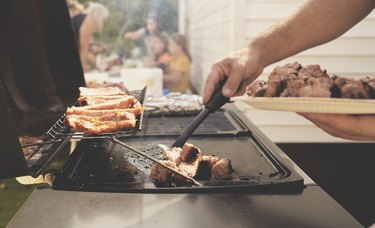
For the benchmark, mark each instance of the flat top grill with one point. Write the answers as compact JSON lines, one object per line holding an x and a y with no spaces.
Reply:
{"x":104,"y":165}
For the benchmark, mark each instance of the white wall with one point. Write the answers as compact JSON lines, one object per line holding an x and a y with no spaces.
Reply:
{"x":215,"y":28}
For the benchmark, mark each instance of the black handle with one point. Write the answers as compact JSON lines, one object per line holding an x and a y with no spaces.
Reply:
{"x":217,"y":100}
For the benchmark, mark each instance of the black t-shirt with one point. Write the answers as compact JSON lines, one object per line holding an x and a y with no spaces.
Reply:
{"x":77,"y":21}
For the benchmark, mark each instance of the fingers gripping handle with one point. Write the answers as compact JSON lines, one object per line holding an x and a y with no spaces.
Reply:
{"x":217,"y":99}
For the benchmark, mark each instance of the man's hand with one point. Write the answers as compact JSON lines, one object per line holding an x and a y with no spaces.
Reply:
{"x":241,"y":68}
{"x":354,"y":127}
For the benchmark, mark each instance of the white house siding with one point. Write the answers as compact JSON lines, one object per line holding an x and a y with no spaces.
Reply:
{"x":215,"y":28}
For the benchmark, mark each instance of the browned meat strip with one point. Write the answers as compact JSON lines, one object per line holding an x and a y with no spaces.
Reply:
{"x":107,"y":91}
{"x":93,"y":100}
{"x":222,"y":170}
{"x":106,"y":123}
{"x":123,"y":103}
{"x":82,"y":111}
{"x":119,"y":85}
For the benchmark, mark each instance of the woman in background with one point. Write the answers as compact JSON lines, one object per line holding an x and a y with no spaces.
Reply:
{"x":177,"y":74}
{"x":161,"y":56}
{"x":152,"y":28}
{"x":85,"y":24}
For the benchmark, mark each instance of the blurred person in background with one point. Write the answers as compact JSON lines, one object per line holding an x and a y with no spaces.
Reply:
{"x":152,"y":28}
{"x":161,"y":55}
{"x":176,"y":78}
{"x":87,"y":22}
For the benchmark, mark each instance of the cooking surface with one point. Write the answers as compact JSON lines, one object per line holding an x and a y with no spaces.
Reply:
{"x":102,"y":165}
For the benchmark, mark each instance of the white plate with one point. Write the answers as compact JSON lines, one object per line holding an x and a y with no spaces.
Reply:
{"x":310,"y":104}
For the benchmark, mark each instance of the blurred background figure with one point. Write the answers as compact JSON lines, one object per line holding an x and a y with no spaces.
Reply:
{"x":86,"y":22}
{"x":161,"y":55}
{"x":152,"y":28}
{"x":176,"y":78}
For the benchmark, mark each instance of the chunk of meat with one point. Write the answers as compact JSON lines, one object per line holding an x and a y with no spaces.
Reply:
{"x":313,"y":88}
{"x":190,"y":153}
{"x":160,"y":173}
{"x":107,"y":91}
{"x":351,"y":88}
{"x":255,"y":88}
{"x":293,"y":85}
{"x":190,"y":161}
{"x":222,"y":170}
{"x":173,"y":154}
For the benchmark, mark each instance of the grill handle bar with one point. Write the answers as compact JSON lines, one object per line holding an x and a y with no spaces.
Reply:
{"x":217,"y":100}
{"x":156,"y":161}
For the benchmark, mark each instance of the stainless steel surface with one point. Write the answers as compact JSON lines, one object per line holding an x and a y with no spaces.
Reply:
{"x":51,"y":208}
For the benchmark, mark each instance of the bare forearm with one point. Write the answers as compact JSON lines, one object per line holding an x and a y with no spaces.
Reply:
{"x":315,"y":23}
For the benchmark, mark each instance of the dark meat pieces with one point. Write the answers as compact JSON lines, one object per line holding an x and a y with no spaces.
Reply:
{"x":314,"y":88}
{"x":293,"y":85}
{"x":351,"y":88}
{"x":190,"y":153}
{"x":293,"y":80}
{"x":190,"y":161}
{"x":255,"y":88}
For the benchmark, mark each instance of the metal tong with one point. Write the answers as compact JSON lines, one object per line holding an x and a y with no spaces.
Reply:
{"x":217,"y":100}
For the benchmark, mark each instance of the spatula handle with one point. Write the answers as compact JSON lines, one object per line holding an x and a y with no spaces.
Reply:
{"x":217,"y":100}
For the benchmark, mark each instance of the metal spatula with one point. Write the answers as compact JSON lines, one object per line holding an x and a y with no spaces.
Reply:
{"x":217,"y":100}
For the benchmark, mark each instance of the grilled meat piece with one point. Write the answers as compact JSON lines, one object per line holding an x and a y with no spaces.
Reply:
{"x":82,"y":111}
{"x":107,"y":91}
{"x":351,"y":88}
{"x":190,"y":153}
{"x":293,"y":85}
{"x":369,"y":84}
{"x":190,"y":161}
{"x":125,"y":102}
{"x":255,"y":88}
{"x":160,"y":173}
{"x":314,"y":88}
{"x":105,"y":84}
{"x":222,"y":170}
{"x":106,"y":123}
{"x":93,"y":100}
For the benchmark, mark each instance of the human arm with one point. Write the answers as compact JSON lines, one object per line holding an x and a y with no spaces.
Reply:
{"x":354,"y":127}
{"x":135,"y":35}
{"x":86,"y":33}
{"x":314,"y":23}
